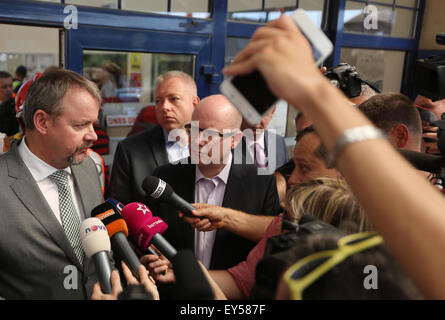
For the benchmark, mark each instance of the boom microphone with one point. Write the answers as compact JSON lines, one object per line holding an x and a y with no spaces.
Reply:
{"x":118,"y":232}
{"x":96,"y":243}
{"x":423,"y":161}
{"x":146,"y":228}
{"x":161,"y":190}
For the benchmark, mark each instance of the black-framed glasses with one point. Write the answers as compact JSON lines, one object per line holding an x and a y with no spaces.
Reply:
{"x":207,"y":133}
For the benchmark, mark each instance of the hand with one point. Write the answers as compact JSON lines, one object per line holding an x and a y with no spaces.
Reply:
{"x":116,"y":288}
{"x":431,"y":147}
{"x":208,"y":217}
{"x":283,"y":56}
{"x":160,"y":268}
{"x":146,"y":281}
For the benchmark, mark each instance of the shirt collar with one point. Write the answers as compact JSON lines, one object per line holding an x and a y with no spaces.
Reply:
{"x":223,"y":175}
{"x":39,"y":169}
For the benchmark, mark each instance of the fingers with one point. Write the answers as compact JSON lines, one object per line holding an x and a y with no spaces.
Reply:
{"x":116,"y":288}
{"x":131,"y":280}
{"x":147,"y":259}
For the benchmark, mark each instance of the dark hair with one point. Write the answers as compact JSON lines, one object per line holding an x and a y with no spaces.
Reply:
{"x":47,"y":92}
{"x":320,"y":152}
{"x":21,"y":71}
{"x":5,"y":74}
{"x":346,"y":280}
{"x":386,"y":110}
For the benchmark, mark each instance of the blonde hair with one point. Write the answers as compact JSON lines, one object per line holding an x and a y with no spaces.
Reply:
{"x":187,"y":79}
{"x":329,"y":200}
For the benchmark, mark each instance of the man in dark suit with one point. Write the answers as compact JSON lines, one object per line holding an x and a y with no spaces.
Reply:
{"x":210,"y":176}
{"x":262,"y":147}
{"x":137,"y":156}
{"x":41,"y":256}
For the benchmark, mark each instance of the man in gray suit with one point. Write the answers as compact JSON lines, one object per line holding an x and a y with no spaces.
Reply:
{"x":41,"y":256}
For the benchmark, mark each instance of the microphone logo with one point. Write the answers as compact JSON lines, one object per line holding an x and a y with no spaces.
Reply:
{"x":143,"y":208}
{"x":159,"y":189}
{"x":95,"y":228}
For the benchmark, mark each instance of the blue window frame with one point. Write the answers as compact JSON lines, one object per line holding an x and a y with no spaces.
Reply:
{"x":215,"y":30}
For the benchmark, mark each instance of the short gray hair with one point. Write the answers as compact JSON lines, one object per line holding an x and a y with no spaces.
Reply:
{"x":47,"y":92}
{"x":177,"y":74}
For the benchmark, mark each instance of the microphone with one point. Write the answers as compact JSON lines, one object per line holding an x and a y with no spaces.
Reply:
{"x":118,"y":232}
{"x":116,"y":204}
{"x":161,"y":190}
{"x":96,"y":243}
{"x":423,"y":161}
{"x":191,"y":282}
{"x":119,"y":206}
{"x":146,"y":228}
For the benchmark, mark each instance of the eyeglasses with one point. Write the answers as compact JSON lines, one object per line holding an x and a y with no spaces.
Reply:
{"x":207,"y":133}
{"x":307,"y":270}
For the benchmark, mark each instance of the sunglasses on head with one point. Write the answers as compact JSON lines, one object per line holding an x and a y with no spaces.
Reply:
{"x":312,"y":267}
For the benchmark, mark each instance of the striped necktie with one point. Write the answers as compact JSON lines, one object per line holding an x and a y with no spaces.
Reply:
{"x":68,"y":214}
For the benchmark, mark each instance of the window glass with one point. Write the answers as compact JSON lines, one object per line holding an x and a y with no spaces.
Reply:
{"x":36,"y":48}
{"x":126,"y":80}
{"x":111,"y":4}
{"x":378,"y":19}
{"x":384,"y":68}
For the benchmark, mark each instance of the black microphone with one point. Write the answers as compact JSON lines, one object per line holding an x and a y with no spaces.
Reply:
{"x":96,"y":243}
{"x":423,"y":161}
{"x":118,"y":232}
{"x":191,"y":282}
{"x":161,"y":190}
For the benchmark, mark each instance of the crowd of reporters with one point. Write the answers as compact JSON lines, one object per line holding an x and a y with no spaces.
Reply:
{"x":178,"y":227}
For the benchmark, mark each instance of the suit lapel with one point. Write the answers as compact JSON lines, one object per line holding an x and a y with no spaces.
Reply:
{"x":157,"y":145}
{"x":187,"y":191}
{"x":28,"y":192}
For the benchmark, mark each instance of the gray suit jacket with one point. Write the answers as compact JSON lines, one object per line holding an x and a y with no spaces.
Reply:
{"x":36,"y":258}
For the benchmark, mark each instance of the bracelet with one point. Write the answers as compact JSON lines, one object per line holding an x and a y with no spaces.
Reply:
{"x":353,"y":135}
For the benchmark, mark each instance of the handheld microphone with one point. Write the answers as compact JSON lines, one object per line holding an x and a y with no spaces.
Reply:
{"x":191,"y":282}
{"x":116,"y":204}
{"x":118,"y":232}
{"x":161,"y":190}
{"x":146,"y":228}
{"x":119,"y":206}
{"x":96,"y":243}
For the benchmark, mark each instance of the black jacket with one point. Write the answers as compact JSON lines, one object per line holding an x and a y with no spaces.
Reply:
{"x":8,"y":121}
{"x":245,"y":191}
{"x":136,"y":158}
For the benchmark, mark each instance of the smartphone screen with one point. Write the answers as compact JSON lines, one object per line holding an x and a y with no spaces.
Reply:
{"x":254,"y":88}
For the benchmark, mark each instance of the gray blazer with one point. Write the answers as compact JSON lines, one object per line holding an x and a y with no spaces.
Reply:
{"x":36,"y":258}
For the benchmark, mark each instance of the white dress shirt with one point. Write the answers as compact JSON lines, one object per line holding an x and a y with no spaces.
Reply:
{"x":257,"y":149}
{"x":175,"y":151}
{"x":209,"y":191}
{"x":41,"y":171}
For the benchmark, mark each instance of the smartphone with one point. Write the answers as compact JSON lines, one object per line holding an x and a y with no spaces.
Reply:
{"x":250,"y":93}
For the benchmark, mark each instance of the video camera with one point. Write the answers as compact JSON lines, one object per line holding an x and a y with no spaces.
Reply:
{"x":346,"y":78}
{"x":279,"y":251}
{"x":429,"y":80}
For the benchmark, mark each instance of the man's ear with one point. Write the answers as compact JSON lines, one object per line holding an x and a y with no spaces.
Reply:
{"x":236,"y":138}
{"x":399,"y":136}
{"x":195,"y":101}
{"x":41,"y":120}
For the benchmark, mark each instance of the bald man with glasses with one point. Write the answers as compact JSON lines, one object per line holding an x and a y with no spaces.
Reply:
{"x":210,"y":176}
